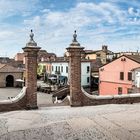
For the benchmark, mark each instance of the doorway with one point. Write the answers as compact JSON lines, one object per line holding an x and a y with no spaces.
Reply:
{"x":9,"y":81}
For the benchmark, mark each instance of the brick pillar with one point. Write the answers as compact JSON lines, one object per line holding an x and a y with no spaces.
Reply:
{"x":75,"y":72}
{"x":31,"y":51}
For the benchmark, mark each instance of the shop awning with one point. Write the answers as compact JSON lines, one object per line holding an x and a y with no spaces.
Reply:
{"x":20,"y":80}
{"x":61,"y":78}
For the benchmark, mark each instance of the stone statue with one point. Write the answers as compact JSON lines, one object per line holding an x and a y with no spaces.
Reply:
{"x":31,"y":35}
{"x":74,"y":36}
{"x":31,"y":42}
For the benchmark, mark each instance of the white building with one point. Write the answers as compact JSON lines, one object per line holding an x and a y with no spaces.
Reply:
{"x":61,"y":68}
{"x":136,"y":79}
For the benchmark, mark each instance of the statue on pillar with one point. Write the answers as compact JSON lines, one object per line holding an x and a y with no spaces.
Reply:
{"x":74,"y":41}
{"x":31,"y":42}
{"x":31,"y":35}
{"x":74,"y":36}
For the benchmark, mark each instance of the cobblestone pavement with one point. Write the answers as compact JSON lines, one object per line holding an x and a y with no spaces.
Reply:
{"x":105,"y":122}
{"x":44,"y":99}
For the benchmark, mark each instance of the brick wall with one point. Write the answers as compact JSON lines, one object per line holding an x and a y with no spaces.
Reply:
{"x":75,"y":75}
{"x":17,"y":103}
{"x":31,"y":76}
{"x":20,"y":105}
{"x":116,"y":99}
{"x":75,"y":79}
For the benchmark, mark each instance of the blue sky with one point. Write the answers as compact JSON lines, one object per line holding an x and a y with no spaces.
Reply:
{"x":115,"y":23}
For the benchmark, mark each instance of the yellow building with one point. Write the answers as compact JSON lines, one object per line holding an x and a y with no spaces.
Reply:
{"x":103,"y":54}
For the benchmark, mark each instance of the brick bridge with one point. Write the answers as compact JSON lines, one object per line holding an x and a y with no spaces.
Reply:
{"x":27,"y":99}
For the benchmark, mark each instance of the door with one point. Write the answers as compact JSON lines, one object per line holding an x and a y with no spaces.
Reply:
{"x":9,"y":81}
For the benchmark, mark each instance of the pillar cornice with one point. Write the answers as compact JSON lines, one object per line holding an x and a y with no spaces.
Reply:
{"x":31,"y":51}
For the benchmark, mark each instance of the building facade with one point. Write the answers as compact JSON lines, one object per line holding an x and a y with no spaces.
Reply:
{"x":43,"y":55}
{"x":136,"y":80}
{"x":118,"y":54}
{"x":116,"y":76}
{"x":19,"y":56}
{"x":9,"y":75}
{"x":104,"y":54}
{"x":61,"y":68}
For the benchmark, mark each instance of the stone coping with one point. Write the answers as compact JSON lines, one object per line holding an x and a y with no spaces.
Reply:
{"x":15,"y":99}
{"x":100,"y":97}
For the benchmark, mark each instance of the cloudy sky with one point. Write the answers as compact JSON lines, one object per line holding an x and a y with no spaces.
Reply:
{"x":115,"y":23}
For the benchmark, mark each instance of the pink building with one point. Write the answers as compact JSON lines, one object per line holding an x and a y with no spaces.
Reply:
{"x":19,"y":56}
{"x":116,"y":77}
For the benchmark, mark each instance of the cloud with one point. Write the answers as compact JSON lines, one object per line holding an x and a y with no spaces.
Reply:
{"x":87,"y":14}
{"x":35,"y":22}
{"x":96,"y":24}
{"x":17,"y":7}
{"x":131,"y":11}
{"x":6,"y":34}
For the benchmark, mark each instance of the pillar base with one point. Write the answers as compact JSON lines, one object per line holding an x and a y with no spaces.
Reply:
{"x":31,"y":107}
{"x":76,"y":104}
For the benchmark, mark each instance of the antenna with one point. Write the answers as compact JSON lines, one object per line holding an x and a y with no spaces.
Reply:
{"x":137,"y":48}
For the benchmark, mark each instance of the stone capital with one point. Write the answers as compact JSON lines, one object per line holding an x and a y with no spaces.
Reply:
{"x":28,"y":49}
{"x":31,"y":51}
{"x":75,"y":49}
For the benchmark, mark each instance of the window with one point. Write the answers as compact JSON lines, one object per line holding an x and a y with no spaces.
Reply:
{"x":129,"y":76}
{"x":87,"y":69}
{"x":103,"y":60}
{"x":44,"y":69}
{"x":119,"y":90}
{"x":121,"y":75}
{"x":61,"y":68}
{"x":87,"y":79}
{"x":129,"y":90}
{"x":42,"y":59}
{"x":98,"y":55}
{"x":52,"y":68}
{"x":66,"y":69}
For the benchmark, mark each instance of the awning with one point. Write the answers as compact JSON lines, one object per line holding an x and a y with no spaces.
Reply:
{"x":61,"y":78}
{"x":52,"y":78}
{"x":96,"y":76}
{"x":20,"y":80}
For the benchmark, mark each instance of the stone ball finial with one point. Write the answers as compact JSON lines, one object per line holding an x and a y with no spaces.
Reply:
{"x":31,"y":35}
{"x":74,"y":36}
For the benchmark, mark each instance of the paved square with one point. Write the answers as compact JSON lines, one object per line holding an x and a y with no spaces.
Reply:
{"x":44,"y":99}
{"x":104,"y":122}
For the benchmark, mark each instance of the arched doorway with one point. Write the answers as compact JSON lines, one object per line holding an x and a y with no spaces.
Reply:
{"x":9,"y":81}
